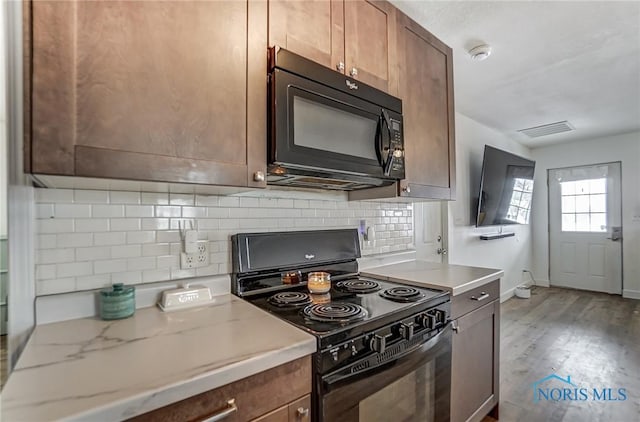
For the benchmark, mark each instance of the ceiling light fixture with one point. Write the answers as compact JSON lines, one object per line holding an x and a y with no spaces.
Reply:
{"x":480,"y":52}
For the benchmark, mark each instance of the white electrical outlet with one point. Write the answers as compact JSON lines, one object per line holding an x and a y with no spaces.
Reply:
{"x":198,"y":259}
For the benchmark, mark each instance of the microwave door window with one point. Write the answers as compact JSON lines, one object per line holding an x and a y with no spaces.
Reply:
{"x":334,"y":129}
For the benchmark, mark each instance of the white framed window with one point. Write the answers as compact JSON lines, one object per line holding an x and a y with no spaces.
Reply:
{"x":584,"y":205}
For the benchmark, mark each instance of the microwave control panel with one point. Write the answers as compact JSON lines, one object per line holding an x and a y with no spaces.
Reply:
{"x":396,"y":145}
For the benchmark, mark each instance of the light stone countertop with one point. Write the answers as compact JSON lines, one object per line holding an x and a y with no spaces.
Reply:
{"x":456,"y":279}
{"x":89,"y":369}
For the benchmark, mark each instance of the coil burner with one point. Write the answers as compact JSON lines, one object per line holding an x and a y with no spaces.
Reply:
{"x":335,"y":312}
{"x":358,"y":286}
{"x":402,"y":294}
{"x":290,"y":299}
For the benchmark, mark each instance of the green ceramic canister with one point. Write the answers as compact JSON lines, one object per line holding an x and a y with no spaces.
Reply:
{"x":118,"y":302}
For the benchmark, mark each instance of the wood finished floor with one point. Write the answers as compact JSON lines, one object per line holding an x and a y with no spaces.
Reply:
{"x":593,"y":337}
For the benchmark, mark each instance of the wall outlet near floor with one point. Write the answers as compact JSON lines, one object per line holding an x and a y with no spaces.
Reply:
{"x":198,"y":259}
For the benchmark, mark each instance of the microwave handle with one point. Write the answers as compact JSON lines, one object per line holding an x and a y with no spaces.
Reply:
{"x":387,"y":162}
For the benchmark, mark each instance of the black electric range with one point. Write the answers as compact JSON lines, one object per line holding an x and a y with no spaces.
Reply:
{"x":372,"y":335}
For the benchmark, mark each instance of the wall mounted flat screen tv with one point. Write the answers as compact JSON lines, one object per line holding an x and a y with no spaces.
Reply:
{"x":506,"y":186}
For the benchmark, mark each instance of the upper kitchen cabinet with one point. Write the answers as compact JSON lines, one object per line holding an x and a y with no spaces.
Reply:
{"x":353,"y":37}
{"x":154,"y":91}
{"x":426,"y":89}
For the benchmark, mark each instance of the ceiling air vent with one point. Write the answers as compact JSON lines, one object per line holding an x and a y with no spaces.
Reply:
{"x":550,"y":129}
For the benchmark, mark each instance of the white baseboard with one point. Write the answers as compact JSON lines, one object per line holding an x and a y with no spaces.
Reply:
{"x":543,"y":283}
{"x":508,"y":294}
{"x":631,"y":294}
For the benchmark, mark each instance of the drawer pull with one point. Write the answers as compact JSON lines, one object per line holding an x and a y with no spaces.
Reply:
{"x":482,"y":296}
{"x":231,"y":408}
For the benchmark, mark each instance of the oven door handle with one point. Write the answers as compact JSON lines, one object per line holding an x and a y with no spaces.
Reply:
{"x":374,"y":361}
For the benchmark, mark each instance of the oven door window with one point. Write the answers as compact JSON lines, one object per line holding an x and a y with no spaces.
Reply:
{"x":414,"y":388}
{"x":333,"y":127}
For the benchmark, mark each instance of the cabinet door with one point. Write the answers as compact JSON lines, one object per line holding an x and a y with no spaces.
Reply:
{"x":312,"y":29}
{"x":475,"y":364}
{"x":426,"y":89}
{"x":149,"y":90}
{"x":279,"y":415}
{"x":370,"y":43}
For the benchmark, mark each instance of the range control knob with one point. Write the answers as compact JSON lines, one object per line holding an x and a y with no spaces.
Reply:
{"x":406,"y":330}
{"x":378,"y":343}
{"x":427,"y":321}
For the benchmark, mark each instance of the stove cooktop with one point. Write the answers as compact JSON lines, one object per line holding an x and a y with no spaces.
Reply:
{"x":340,"y":311}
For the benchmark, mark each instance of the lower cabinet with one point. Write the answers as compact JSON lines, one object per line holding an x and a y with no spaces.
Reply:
{"x":281,"y":394}
{"x":476,"y":354}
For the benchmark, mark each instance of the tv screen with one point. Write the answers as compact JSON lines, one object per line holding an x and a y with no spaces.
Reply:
{"x":506,"y":186}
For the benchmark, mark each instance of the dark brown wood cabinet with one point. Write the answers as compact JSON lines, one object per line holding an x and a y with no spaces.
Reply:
{"x":353,"y":37}
{"x":475,"y":372}
{"x":281,"y":394}
{"x":426,"y":89}
{"x":153,"y":91}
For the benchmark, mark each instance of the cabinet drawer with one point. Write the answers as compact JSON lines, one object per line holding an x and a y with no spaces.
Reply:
{"x":473,"y":299}
{"x":254,"y":396}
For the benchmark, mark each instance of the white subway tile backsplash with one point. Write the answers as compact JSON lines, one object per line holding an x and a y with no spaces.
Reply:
{"x":55,"y":256}
{"x":167,"y":211}
{"x":91,"y":197}
{"x":112,"y":238}
{"x":92,"y":225}
{"x":138,"y":211}
{"x":117,"y":197}
{"x":74,"y":269}
{"x":91,"y":282}
{"x":154,"y":198}
{"x":45,"y":272}
{"x":93,"y":253}
{"x":54,"y":196}
{"x":124,"y":224}
{"x":126,"y":251}
{"x":141,"y":237}
{"x":107,"y":211}
{"x":55,"y":225}
{"x":154,"y":224}
{"x":67,"y":240}
{"x":145,"y":263}
{"x":181,"y":199}
{"x":72,"y":210}
{"x":109,"y":266}
{"x":90,"y":239}
{"x":156,"y":249}
{"x":45,"y":211}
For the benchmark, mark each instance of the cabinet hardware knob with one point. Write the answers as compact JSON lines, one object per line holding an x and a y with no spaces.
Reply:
{"x":406,"y":189}
{"x":482,"y":296}
{"x":302,"y":412}
{"x":340,"y":66}
{"x":258,"y":176}
{"x":354,"y":72}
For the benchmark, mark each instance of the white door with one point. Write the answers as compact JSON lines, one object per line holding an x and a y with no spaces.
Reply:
{"x":430,"y":236}
{"x":585,"y":228}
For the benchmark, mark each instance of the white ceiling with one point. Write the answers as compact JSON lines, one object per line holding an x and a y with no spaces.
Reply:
{"x":551,"y":61}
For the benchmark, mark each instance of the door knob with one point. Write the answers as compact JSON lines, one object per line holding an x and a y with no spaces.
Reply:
{"x":439,"y":238}
{"x":441,"y":251}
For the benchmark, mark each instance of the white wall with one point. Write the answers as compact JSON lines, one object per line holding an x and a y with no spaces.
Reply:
{"x":512,"y":254}
{"x":624,"y":148}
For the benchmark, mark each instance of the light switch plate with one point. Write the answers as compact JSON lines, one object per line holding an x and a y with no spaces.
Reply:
{"x":198,"y":259}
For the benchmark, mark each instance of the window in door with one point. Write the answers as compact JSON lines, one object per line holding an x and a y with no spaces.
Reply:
{"x":584,"y":205}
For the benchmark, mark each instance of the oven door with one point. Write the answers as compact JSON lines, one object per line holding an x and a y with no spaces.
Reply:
{"x":314,"y":126}
{"x":415,"y":387}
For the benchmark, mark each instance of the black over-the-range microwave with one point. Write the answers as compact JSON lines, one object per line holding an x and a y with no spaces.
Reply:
{"x":329,"y":131}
